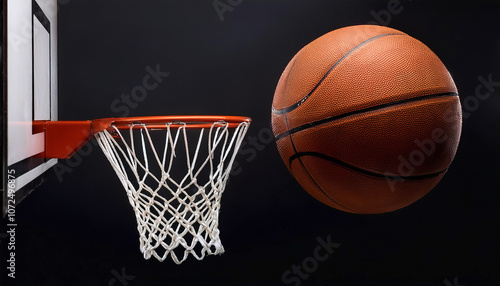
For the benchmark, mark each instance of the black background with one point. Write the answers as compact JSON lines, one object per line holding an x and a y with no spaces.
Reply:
{"x":78,"y":228}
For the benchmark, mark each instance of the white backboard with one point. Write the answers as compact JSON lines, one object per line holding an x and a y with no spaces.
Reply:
{"x":29,"y":62}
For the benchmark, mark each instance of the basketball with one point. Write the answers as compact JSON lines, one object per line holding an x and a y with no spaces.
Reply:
{"x":367,"y":119}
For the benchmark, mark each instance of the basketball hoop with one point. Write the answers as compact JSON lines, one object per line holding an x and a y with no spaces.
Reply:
{"x":174,"y":187}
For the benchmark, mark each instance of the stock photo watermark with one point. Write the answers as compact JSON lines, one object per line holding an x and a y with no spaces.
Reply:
{"x":223,"y":6}
{"x":153,"y":78}
{"x":383,"y":17}
{"x":251,"y":146}
{"x":120,"y":278}
{"x":425,"y":148}
{"x":298,"y":273}
{"x":122,"y":106}
{"x":10,"y":236}
{"x":24,"y":35}
{"x":68,"y":165}
{"x":483,"y":91}
{"x":455,"y":282}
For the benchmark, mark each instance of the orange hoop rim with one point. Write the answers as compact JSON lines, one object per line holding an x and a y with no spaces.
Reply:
{"x":160,"y":122}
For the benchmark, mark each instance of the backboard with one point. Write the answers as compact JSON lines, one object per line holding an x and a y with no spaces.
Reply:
{"x":29,"y":93}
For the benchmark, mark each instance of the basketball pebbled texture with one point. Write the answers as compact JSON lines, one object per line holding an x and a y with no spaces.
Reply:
{"x":367,"y":119}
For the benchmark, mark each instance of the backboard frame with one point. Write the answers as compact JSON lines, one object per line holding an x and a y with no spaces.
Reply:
{"x":29,"y":93}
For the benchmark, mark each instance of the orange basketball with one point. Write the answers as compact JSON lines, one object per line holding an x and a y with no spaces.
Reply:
{"x":367,"y":119}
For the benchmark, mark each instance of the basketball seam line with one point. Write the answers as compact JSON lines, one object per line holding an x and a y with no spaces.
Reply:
{"x":309,"y":174}
{"x":291,"y":68}
{"x":363,"y":171}
{"x":368,"y":109}
{"x":300,"y":102}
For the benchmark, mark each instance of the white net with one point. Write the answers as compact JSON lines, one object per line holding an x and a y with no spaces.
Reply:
{"x":175,"y":191}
